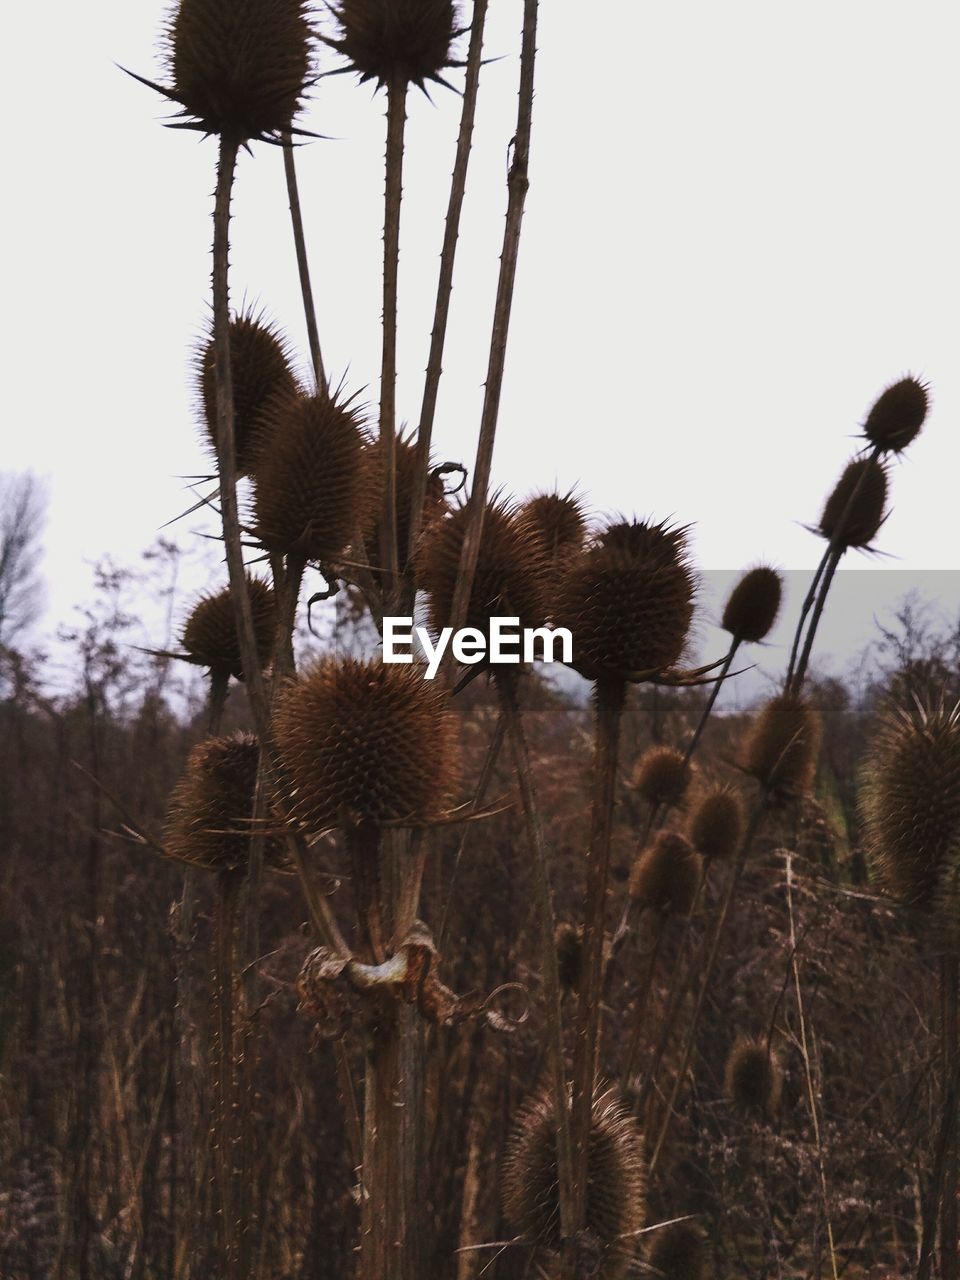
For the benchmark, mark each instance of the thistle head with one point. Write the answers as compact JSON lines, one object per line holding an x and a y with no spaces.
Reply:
{"x":210,"y":632}
{"x":753,"y":1078}
{"x":662,"y":775}
{"x":616,"y":1180}
{"x":857,"y":506}
{"x":666,"y":875}
{"x":678,"y":1252}
{"x":366,"y":743}
{"x":313,"y":485}
{"x":434,"y":503}
{"x":753,"y":605}
{"x":628,"y":601}
{"x":259,"y":370}
{"x":898,"y":415}
{"x":568,"y":939}
{"x":716,"y":824}
{"x":209,"y":818}
{"x":782,"y":746}
{"x":396,"y":40}
{"x":560,"y":523}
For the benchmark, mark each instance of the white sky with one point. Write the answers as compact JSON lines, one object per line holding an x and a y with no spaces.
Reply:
{"x":742,"y":224}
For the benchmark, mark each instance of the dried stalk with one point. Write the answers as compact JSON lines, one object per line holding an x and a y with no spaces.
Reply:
{"x":393,"y":194}
{"x":303,"y":265}
{"x":517,"y":185}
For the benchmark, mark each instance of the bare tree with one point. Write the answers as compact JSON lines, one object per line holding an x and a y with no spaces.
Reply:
{"x":23,"y":504}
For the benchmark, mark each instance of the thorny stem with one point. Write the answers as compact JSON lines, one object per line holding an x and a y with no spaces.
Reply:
{"x":458,"y":185}
{"x":507,"y":689}
{"x":611,"y":697}
{"x":303,"y":265}
{"x":708,"y":709}
{"x":393,"y":194}
{"x":830,"y":569}
{"x":517,"y":184}
{"x":804,"y":611}
{"x":643,"y":995}
{"x":228,"y":1163}
{"x":943,"y":1178}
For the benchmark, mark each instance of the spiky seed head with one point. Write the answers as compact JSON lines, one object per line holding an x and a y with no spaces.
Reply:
{"x":716,"y":824}
{"x":209,"y":817}
{"x":259,"y":370}
{"x":628,"y":600}
{"x":896,"y":418}
{"x":753,"y":1079}
{"x":210,"y":632}
{"x":666,"y":874}
{"x":569,"y":943}
{"x":366,"y":742}
{"x":314,"y":485}
{"x":753,"y":605}
{"x":239,"y":67}
{"x":678,"y":1252}
{"x":662,"y":775}
{"x":434,"y":505}
{"x":509,"y":578}
{"x":910,"y":808}
{"x":405,"y":40}
{"x":616,"y":1180}
{"x":782,"y":746}
{"x":560,"y":523}
{"x":864,"y":483}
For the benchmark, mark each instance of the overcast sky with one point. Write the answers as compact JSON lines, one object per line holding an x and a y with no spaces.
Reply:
{"x":742,"y":224}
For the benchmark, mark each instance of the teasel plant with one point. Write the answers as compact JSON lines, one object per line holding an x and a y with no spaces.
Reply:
{"x":910,"y":808}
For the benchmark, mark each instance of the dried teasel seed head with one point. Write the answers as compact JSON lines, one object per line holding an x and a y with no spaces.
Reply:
{"x":509,"y":578}
{"x":434,"y":505}
{"x":239,"y":67}
{"x":855,"y":510}
{"x":910,"y":809}
{"x":753,"y":605}
{"x":210,"y":633}
{"x":259,"y":369}
{"x":628,"y":600}
{"x":560,"y":523}
{"x":782,"y":746}
{"x":678,"y":1252}
{"x":666,"y":875}
{"x":896,"y":418}
{"x":716,"y":824}
{"x":568,"y":939}
{"x":366,"y":742}
{"x":662,"y":775}
{"x":616,"y":1181}
{"x":314,"y":485}
{"x":753,"y":1078}
{"x":396,"y":40}
{"x":209,"y":817}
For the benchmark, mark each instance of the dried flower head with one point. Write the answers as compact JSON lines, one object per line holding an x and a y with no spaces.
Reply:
{"x":560,"y":523}
{"x":662,"y":775}
{"x":910,"y":806}
{"x":366,"y":742}
{"x":896,"y":418}
{"x":855,"y":510}
{"x":782,"y":746}
{"x":434,"y":505}
{"x":509,"y":577}
{"x":209,"y":818}
{"x":396,"y":40}
{"x":314,"y":485}
{"x":628,"y":600}
{"x":716,"y":824}
{"x":753,"y":1079}
{"x":210,"y":632}
{"x":238,"y":67}
{"x":753,"y":605}
{"x":259,"y":369}
{"x":666,"y":875}
{"x":678,"y":1252}
{"x":569,"y":943}
{"x":616,"y":1180}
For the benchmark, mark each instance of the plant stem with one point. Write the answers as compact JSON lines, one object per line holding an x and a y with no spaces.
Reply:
{"x":507,"y":689}
{"x":517,"y":185}
{"x":227,"y":1165}
{"x":458,"y":186}
{"x":393,"y":195}
{"x":949,"y":1235}
{"x":303,"y":265}
{"x":804,"y":611}
{"x":711,"y":701}
{"x":830,"y":569}
{"x":611,"y":697}
{"x":643,"y":995}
